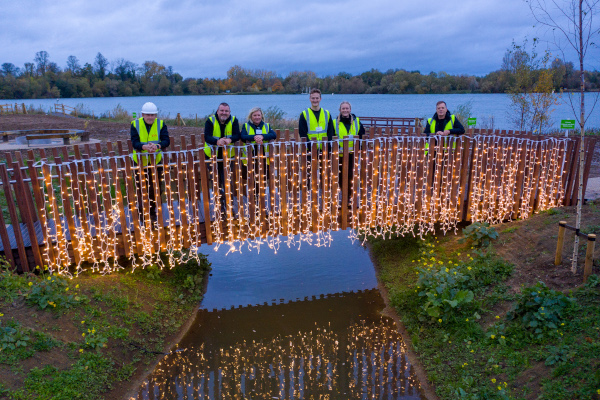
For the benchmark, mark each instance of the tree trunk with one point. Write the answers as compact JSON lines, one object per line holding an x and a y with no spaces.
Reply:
{"x":581,"y":145}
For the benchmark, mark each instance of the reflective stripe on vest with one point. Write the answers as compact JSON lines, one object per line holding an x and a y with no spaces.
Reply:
{"x":342,"y":132}
{"x":217,"y":133}
{"x":251,"y":132}
{"x":147,"y":137}
{"x":312,"y":123}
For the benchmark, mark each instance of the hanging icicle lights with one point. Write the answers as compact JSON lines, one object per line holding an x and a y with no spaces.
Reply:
{"x":290,"y":193}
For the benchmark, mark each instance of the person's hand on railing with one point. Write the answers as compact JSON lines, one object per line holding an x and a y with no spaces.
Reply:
{"x":223,"y":141}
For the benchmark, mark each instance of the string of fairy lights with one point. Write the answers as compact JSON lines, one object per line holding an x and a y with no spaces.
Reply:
{"x":287,"y":193}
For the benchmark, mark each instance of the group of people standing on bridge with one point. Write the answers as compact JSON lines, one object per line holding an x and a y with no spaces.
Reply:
{"x":149,"y":134}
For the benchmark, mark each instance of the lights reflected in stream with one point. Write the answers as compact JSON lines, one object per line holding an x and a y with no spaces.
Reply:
{"x":363,"y":358}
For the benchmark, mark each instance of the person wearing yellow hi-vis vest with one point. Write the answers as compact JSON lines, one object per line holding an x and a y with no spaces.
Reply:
{"x":315,"y":123}
{"x":149,"y":135}
{"x":221,"y":130}
{"x":347,"y":125}
{"x":442,"y":123}
{"x":257,"y":131}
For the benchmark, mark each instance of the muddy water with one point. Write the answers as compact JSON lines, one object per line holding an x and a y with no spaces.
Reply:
{"x":322,"y":338}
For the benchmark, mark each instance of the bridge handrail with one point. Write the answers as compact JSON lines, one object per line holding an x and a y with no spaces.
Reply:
{"x":48,"y":195}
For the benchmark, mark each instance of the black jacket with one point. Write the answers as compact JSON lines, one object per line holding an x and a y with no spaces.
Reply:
{"x":458,"y":129}
{"x":208,"y":130}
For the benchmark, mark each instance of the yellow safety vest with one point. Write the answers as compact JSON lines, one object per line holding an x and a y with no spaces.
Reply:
{"x":251,"y":132}
{"x":217,"y":133}
{"x":148,"y":137}
{"x":342,"y":132}
{"x":449,"y":125}
{"x":313,"y":124}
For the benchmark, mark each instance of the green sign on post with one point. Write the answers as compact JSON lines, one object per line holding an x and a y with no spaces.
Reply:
{"x":567,"y":124}
{"x":134,"y":116}
{"x":471,"y":121}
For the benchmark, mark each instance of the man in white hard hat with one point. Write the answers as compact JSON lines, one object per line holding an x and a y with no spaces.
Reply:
{"x":149,"y":137}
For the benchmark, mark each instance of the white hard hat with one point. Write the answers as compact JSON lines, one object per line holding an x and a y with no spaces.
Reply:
{"x":149,"y":108}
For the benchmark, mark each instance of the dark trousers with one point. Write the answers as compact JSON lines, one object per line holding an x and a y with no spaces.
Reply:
{"x":149,"y":189}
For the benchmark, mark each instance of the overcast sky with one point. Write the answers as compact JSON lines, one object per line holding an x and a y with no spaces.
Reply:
{"x":203,"y":39}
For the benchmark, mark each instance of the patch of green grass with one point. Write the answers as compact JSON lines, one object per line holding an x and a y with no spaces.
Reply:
{"x":125,"y":312}
{"x":510,"y":230}
{"x":86,"y":379}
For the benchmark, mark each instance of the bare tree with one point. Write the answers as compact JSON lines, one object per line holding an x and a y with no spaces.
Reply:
{"x":573,"y":28}
{"x":73,"y":64}
{"x":100,"y":64}
{"x":42,"y":59}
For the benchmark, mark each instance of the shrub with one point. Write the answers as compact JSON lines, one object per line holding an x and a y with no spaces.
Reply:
{"x":11,"y":337}
{"x":539,"y":310}
{"x":480,"y":233}
{"x":443,"y":291}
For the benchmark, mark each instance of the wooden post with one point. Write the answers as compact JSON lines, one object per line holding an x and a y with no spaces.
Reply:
{"x":178,"y":119}
{"x":205,"y":192}
{"x":560,"y":242}
{"x":589,"y":257}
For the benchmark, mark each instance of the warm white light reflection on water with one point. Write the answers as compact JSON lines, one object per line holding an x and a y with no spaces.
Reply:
{"x":252,"y":278}
{"x":338,"y":347}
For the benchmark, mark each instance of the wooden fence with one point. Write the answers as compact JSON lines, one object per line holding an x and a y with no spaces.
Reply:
{"x":79,"y":205}
{"x":64,"y":109}
{"x":10,"y":109}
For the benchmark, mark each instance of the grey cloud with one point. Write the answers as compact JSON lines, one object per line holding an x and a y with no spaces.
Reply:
{"x":205,"y":39}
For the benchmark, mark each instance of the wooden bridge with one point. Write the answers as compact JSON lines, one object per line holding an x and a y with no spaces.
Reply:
{"x":79,"y":205}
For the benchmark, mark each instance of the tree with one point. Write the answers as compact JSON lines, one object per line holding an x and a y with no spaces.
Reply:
{"x":572,"y":25}
{"x":530,"y":89}
{"x":42,"y":59}
{"x":73,"y":64}
{"x":10,"y":69}
{"x":29,"y":69}
{"x":100,"y":64}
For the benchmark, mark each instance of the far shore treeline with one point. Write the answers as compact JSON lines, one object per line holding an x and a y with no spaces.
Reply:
{"x":44,"y":78}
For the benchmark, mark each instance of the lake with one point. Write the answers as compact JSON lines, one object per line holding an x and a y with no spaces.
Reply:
{"x":484,"y":106}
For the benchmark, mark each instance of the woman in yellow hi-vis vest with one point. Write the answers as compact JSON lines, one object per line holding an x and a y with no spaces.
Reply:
{"x":347,"y":125}
{"x":149,"y":137}
{"x":442,"y":123}
{"x":257,"y":131}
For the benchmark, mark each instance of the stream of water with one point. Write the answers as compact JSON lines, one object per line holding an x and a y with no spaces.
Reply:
{"x":296,"y":324}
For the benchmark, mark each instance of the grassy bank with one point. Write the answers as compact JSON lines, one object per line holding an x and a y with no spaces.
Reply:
{"x":499,"y":322}
{"x":93,"y":336}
